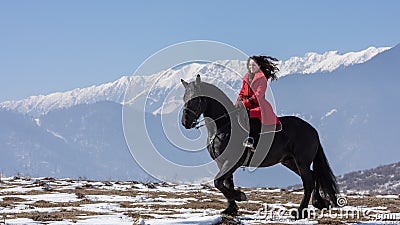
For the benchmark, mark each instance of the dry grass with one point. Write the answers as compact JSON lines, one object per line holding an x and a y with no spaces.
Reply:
{"x":136,"y":216}
{"x":213,"y":204}
{"x":56,"y":216}
{"x":9,"y":201}
{"x":84,"y":191}
{"x":32,"y":192}
{"x":47,"y":204}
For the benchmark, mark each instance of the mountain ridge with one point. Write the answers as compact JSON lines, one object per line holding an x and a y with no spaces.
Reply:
{"x":115,"y":91}
{"x":383,"y":179}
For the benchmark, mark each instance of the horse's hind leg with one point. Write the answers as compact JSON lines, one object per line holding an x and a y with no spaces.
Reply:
{"x":291,"y":164}
{"x":317,"y":200}
{"x":308,"y":184}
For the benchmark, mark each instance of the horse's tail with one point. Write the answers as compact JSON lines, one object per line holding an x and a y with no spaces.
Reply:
{"x":324,"y":177}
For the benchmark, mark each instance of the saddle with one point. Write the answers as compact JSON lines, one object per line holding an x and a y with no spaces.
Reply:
{"x":243,"y":120}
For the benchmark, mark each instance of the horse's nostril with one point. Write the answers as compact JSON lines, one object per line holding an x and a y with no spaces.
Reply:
{"x":186,"y":124}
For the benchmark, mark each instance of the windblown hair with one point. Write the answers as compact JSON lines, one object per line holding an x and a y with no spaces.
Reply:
{"x":267,"y":65}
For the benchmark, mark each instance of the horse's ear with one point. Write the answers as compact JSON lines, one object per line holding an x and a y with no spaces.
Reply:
{"x":198,"y":80}
{"x":184,"y":83}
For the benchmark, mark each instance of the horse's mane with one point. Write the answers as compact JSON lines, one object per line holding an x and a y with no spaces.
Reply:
{"x":214,"y":92}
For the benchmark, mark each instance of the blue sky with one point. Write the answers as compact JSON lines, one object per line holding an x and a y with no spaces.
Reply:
{"x":49,"y":46}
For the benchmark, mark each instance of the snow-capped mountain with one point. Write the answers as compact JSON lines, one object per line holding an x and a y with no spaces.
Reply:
{"x":226,"y":71}
{"x":329,"y":61}
{"x":42,"y":104}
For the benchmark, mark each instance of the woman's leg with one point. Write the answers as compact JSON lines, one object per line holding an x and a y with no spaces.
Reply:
{"x":255,"y":129}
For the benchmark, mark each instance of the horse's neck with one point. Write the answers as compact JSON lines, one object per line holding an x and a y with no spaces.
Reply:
{"x":219,"y":108}
{"x":217,"y":117}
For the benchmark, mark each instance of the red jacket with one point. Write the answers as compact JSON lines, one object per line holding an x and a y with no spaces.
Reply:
{"x":253,"y":98}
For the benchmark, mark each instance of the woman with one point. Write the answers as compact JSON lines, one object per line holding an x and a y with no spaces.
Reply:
{"x":252,"y":96}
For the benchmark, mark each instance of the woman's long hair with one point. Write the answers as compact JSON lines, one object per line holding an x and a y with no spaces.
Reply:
{"x":267,"y":65}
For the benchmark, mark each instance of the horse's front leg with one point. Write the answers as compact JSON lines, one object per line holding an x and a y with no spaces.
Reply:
{"x":228,"y":182}
{"x":232,"y":208}
{"x":224,"y":183}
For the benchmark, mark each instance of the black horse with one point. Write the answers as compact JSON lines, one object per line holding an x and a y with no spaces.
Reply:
{"x":296,"y":147}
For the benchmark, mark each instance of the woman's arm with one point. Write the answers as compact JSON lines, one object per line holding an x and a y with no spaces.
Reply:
{"x":260,"y":86}
{"x":241,"y":93}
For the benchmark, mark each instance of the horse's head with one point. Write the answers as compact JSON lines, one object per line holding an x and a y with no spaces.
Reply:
{"x":195,"y":103}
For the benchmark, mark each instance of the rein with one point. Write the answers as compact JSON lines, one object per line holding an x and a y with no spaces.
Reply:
{"x":201,"y":125}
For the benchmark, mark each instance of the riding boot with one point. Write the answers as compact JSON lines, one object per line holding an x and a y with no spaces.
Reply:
{"x":249,"y":141}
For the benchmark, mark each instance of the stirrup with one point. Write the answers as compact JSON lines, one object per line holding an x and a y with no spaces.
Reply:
{"x":249,"y":143}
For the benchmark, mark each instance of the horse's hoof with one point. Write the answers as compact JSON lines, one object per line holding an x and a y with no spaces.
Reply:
{"x":243,"y":197}
{"x":295,"y":214}
{"x":230,"y":212}
{"x":319,"y":205}
{"x":299,"y":214}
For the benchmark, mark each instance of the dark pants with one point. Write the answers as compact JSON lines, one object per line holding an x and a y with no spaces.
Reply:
{"x":255,"y":129}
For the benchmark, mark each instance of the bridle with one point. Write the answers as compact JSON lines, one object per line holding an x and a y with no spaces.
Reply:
{"x":197,"y":122}
{"x":195,"y":113}
{"x":223,"y":116}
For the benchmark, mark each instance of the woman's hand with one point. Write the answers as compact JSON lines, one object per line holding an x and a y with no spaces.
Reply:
{"x":239,"y":105}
